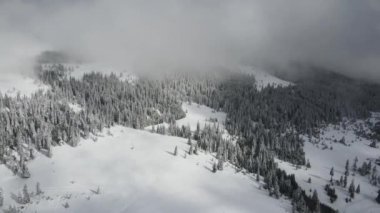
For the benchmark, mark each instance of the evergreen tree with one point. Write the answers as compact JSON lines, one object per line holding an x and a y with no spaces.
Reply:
{"x":308,"y":165}
{"x":358,"y":189}
{"x":345,"y":181}
{"x":315,"y":202}
{"x":220,"y":164}
{"x":331,"y":174}
{"x":346,"y":173}
{"x":191,"y":149}
{"x":38,"y":189}
{"x":214,"y":168}
{"x":351,"y":189}
{"x":26,"y":195}
{"x":1,"y":197}
{"x":276,"y":189}
{"x":355,"y":166}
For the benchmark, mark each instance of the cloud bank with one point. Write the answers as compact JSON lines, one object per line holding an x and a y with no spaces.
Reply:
{"x":154,"y":36}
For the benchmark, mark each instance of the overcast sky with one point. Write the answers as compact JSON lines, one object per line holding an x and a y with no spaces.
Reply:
{"x":143,"y":35}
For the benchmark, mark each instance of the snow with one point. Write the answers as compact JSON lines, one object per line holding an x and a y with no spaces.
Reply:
{"x":264,"y":79}
{"x":204,"y":115}
{"x":78,"y":70}
{"x":136,"y":172}
{"x":323,"y":159}
{"x":75,"y":107}
{"x":13,"y":84}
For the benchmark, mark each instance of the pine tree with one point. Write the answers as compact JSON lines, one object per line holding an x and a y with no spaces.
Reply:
{"x":351,"y":189}
{"x":25,"y":171}
{"x":26,"y":195}
{"x":38,"y":189}
{"x":355,"y":165}
{"x":358,"y":189}
{"x":378,"y":197}
{"x":191,"y":149}
{"x":308,"y":165}
{"x":196,"y":149}
{"x":1,"y":197}
{"x":332,"y":174}
{"x":220,"y":164}
{"x":214,"y":168}
{"x":276,"y":189}
{"x":346,"y":173}
{"x":345,"y":182}
{"x":316,"y":204}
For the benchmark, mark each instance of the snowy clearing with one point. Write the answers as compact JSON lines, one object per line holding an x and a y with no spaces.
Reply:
{"x":136,"y":171}
{"x":322,"y":159}
{"x":196,"y":113}
{"x":264,"y":79}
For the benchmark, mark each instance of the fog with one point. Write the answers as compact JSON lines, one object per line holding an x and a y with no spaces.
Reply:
{"x":174,"y":35}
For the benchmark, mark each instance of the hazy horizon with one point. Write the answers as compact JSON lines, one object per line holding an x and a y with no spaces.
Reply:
{"x":146,"y":36}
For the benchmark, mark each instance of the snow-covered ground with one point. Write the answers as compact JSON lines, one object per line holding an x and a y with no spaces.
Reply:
{"x":322,"y":158}
{"x":75,"y":107}
{"x":196,"y":113}
{"x":136,"y":171}
{"x":13,"y":84}
{"x":264,"y":79}
{"x":78,"y":70}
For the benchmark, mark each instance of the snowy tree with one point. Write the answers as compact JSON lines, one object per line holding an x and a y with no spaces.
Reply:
{"x":308,"y":165}
{"x":355,"y":165}
{"x":331,"y":174}
{"x":315,"y":202}
{"x":196,"y":149}
{"x":220,"y":164}
{"x":1,"y":197}
{"x":346,"y":173}
{"x":345,"y":181}
{"x":191,"y":151}
{"x":358,"y":189}
{"x":351,"y":189}
{"x":25,"y":171}
{"x":66,"y":205}
{"x":26,"y":195}
{"x":214,"y":168}
{"x":38,"y":189}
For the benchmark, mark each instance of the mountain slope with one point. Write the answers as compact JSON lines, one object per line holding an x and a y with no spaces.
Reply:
{"x":136,"y":171}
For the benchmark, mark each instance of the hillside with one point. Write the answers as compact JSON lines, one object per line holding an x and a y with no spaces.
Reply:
{"x":136,"y":171}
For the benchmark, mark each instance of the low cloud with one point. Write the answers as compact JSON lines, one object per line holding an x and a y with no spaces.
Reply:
{"x":154,"y":36}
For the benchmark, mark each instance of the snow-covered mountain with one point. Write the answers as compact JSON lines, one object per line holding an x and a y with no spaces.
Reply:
{"x":128,"y":170}
{"x":122,"y":169}
{"x":335,"y":145}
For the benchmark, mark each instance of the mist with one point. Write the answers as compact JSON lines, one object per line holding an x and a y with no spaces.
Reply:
{"x":168,"y":35}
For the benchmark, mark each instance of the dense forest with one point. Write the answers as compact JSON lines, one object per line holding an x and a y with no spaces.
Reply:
{"x":267,"y":123}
